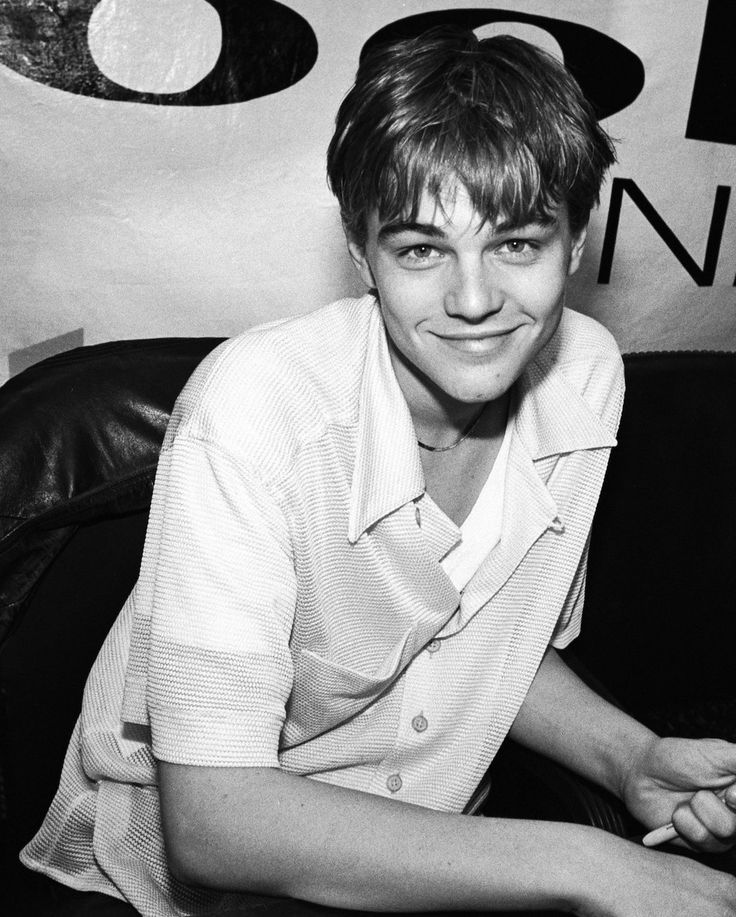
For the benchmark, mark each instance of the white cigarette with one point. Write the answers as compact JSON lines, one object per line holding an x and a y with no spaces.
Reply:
{"x":660,"y":835}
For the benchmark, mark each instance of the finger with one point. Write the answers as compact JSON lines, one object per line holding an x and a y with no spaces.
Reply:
{"x":717,"y":817}
{"x":730,"y":796}
{"x":696,"y":833}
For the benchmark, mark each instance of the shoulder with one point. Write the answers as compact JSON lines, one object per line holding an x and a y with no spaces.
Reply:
{"x":585,"y":353}
{"x":278,"y":385}
{"x":580,"y":338}
{"x":582,"y":364}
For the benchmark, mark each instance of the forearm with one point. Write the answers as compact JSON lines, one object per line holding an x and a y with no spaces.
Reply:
{"x":564,"y":719}
{"x":268,"y":831}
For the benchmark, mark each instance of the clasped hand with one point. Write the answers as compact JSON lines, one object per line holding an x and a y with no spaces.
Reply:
{"x":677,"y":780}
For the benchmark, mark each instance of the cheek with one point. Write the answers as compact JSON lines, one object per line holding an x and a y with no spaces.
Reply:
{"x":398,"y":322}
{"x":544,"y":298}
{"x":403,"y":308}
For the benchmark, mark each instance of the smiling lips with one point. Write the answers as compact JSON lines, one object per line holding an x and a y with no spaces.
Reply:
{"x":477,"y":341}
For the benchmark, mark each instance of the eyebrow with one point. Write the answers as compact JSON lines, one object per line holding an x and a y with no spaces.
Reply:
{"x":436,"y":232}
{"x":424,"y":229}
{"x":542,"y":222}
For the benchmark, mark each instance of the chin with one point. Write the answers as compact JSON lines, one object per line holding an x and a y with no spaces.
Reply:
{"x":483,"y":391}
{"x":480,"y":394}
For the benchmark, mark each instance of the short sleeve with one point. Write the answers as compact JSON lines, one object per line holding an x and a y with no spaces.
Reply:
{"x":222,"y":598}
{"x":570,"y":619}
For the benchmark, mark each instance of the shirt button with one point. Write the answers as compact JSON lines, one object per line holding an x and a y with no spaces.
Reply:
{"x":433,"y":646}
{"x":418,"y":516}
{"x":419,"y":723}
{"x":394,"y":783}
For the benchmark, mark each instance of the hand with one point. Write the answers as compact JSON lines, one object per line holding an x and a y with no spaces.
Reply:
{"x":677,"y":780}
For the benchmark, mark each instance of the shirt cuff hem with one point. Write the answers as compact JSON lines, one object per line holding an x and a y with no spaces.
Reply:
{"x":208,"y":739}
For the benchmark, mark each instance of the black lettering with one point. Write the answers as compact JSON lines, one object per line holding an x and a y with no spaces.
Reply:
{"x":703,"y":277}
{"x":610,"y":75}
{"x":712,"y":104}
{"x":266,"y":48}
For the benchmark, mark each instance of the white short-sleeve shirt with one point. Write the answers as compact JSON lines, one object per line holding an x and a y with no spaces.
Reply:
{"x":292,"y":609}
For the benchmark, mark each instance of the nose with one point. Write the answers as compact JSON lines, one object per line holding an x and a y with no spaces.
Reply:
{"x":475,"y":291}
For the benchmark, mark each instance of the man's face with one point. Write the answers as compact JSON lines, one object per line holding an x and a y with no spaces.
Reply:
{"x":467,"y":305}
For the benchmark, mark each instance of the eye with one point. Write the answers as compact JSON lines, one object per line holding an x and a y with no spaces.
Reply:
{"x":421,"y":251}
{"x":517,"y":246}
{"x":518,"y":249}
{"x":419,"y":255}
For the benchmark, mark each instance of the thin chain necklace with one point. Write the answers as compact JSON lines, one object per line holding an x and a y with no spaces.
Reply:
{"x":463,"y":436}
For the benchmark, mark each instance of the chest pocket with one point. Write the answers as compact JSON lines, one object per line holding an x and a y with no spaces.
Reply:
{"x":326,"y":693}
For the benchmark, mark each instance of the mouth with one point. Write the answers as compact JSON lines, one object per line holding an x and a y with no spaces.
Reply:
{"x":477,"y":341}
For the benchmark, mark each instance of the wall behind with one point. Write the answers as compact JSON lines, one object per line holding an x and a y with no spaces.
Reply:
{"x":163,"y":163}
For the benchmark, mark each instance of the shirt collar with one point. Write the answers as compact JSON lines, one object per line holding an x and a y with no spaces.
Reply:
{"x":388,"y":471}
{"x":551,"y":418}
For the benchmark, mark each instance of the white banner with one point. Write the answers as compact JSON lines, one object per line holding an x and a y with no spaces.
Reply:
{"x":163,"y":162}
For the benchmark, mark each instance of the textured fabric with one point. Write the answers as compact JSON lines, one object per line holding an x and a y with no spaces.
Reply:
{"x":291,"y":608}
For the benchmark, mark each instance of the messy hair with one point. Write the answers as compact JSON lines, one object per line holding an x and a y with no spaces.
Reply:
{"x":500,"y":116}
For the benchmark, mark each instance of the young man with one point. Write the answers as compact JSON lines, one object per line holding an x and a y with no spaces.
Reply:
{"x":368,"y":538}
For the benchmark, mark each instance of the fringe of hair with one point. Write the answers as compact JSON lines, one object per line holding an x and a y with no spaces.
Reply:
{"x":501,"y":117}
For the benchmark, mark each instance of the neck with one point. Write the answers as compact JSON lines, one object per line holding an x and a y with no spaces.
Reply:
{"x":450,"y":429}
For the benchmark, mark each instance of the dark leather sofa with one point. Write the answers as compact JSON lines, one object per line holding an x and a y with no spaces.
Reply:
{"x":79,"y":438}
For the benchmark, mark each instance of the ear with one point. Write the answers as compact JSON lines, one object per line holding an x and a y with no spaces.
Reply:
{"x":358,"y":255}
{"x":576,"y":251}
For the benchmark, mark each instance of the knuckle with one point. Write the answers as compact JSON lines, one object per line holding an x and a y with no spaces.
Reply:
{"x":704,"y":796}
{"x":711,"y":811}
{"x":724,"y":830}
{"x":700,"y":835}
{"x":703,"y":800}
{"x":689,"y":827}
